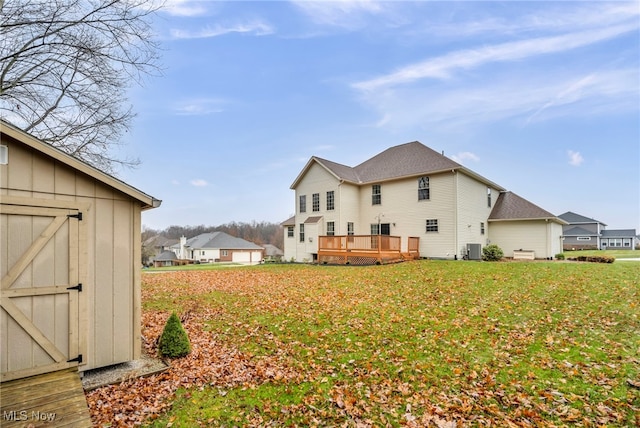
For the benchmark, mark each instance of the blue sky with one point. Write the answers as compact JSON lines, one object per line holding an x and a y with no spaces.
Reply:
{"x":540,"y":97}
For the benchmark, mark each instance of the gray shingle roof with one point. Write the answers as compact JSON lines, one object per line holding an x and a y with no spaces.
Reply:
{"x":573,"y":218}
{"x":405,"y":160}
{"x":578,"y":231}
{"x":402,"y":161}
{"x":510,"y":206}
{"x":221,"y":240}
{"x":167,"y":255}
{"x":619,"y":233}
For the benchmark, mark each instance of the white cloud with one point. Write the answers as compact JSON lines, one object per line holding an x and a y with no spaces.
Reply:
{"x":575,"y":158}
{"x":187,"y":8}
{"x":442,"y":67}
{"x":348,"y":14}
{"x":256,"y":28}
{"x":530,"y":97}
{"x":198,"y":182}
{"x":465,"y":156}
{"x":199,"y":106}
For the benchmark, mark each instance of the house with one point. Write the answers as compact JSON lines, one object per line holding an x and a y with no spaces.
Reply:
{"x":584,"y":233}
{"x":218,"y":247}
{"x":154,"y":247}
{"x":70,"y":261}
{"x":166,"y":258}
{"x":272,"y":253}
{"x":427,"y":204}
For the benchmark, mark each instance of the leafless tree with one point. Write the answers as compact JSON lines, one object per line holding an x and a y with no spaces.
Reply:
{"x":66,"y":67}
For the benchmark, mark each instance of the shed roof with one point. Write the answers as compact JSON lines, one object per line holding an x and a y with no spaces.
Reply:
{"x":29,"y":140}
{"x":510,"y":206}
{"x":405,"y":160}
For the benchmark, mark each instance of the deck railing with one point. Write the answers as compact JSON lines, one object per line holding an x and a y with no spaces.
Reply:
{"x":365,"y":249}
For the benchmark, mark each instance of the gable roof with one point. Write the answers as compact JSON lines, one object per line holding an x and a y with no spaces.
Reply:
{"x":510,"y":206}
{"x":220,"y":240}
{"x":47,"y":149}
{"x":406,"y":160}
{"x":573,"y":218}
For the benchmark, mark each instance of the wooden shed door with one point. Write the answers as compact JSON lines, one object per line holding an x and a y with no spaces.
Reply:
{"x":39,"y":318}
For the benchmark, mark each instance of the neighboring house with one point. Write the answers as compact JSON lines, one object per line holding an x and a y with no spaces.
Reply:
{"x":214,"y":247}
{"x":584,"y":233}
{"x":166,"y":258}
{"x":71,"y":251}
{"x":415,"y":193}
{"x":155,"y":246}
{"x":272,"y":253}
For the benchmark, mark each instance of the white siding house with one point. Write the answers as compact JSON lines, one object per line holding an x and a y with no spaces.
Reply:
{"x":407,"y":191}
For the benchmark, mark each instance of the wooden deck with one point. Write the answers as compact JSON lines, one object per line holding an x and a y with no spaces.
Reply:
{"x":53,"y":399}
{"x":366,"y":249}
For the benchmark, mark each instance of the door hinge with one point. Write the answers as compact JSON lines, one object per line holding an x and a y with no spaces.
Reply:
{"x":77,"y":359}
{"x":76,"y":287}
{"x":78,"y":216}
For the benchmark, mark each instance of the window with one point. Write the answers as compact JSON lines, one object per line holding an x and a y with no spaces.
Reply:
{"x":432,"y":225}
{"x":331,"y":228}
{"x":489,"y":197}
{"x":202,"y":253}
{"x":350,"y":230}
{"x":481,"y":228}
{"x":375,"y":229}
{"x":584,"y":238}
{"x":289,"y":231}
{"x":423,"y":188}
{"x":224,"y":253}
{"x":376,"y":194}
{"x":315,"y":201}
{"x":301,"y":232}
{"x":303,"y":203}
{"x":330,"y":200}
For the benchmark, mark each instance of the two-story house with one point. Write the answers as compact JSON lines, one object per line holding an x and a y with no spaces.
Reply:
{"x":419,"y":195}
{"x":584,"y":233}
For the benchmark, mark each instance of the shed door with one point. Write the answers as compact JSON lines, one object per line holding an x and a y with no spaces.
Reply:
{"x":39,"y":318}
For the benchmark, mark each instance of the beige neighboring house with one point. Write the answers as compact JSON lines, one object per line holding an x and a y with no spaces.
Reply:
{"x":419,"y":195}
{"x":70,"y":261}
{"x":217,"y":247}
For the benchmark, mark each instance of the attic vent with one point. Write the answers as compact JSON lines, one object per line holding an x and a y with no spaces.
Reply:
{"x":4,"y":155}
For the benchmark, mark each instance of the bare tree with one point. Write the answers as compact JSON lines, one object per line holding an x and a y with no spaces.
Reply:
{"x":66,"y":66}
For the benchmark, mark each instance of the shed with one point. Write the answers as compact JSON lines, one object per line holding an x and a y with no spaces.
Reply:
{"x":70,"y":261}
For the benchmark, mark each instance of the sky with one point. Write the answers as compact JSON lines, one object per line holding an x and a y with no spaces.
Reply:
{"x":541,"y":97}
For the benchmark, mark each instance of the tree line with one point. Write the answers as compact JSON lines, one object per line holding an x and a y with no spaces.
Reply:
{"x":257,"y":232}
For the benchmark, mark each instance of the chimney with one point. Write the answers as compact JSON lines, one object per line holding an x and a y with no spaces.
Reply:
{"x":183,"y":242}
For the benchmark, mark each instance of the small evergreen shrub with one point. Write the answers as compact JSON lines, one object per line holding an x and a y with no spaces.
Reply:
{"x":174,"y":341}
{"x":492,"y":253}
{"x":560,"y":256}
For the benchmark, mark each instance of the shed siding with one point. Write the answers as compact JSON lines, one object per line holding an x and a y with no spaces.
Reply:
{"x":110,"y":301}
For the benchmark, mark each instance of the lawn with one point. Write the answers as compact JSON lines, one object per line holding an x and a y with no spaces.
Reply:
{"x":427,"y":343}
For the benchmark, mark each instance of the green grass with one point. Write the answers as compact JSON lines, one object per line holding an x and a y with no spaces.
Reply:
{"x":618,"y":254}
{"x":540,"y":343}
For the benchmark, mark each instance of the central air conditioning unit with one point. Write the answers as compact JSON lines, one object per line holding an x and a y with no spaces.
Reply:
{"x":474,"y":251}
